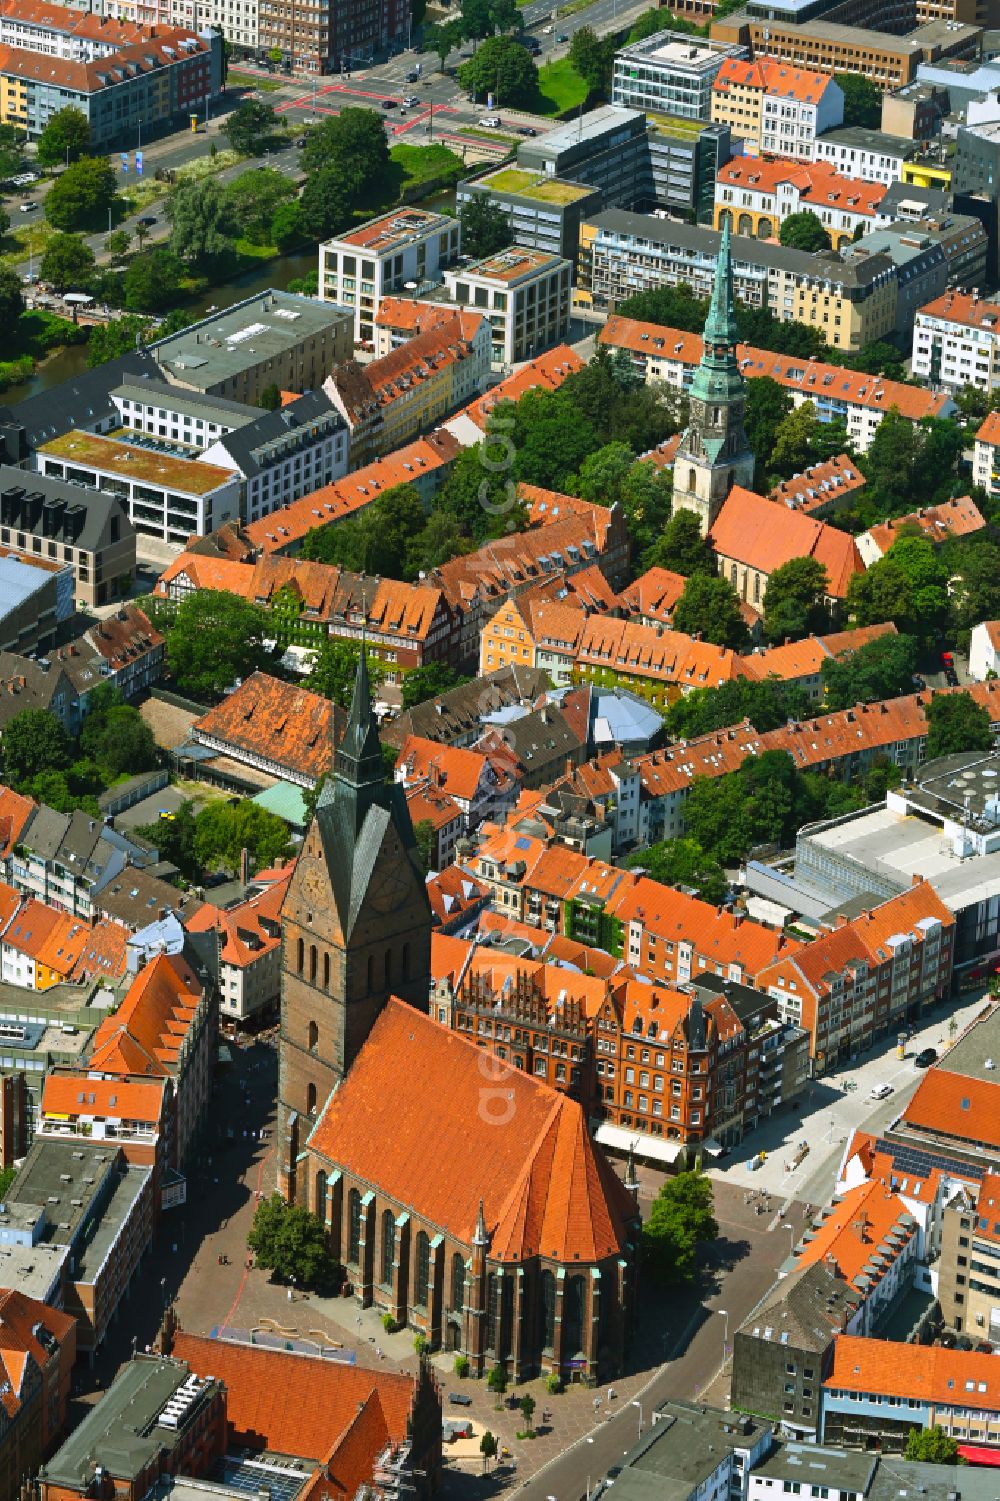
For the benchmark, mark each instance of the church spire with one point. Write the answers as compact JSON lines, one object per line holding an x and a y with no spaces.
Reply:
{"x":720,"y":325}
{"x":480,"y":1238}
{"x":358,"y":759}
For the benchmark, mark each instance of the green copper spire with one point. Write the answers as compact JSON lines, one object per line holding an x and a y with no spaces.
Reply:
{"x":720,"y":325}
{"x":359,"y":756}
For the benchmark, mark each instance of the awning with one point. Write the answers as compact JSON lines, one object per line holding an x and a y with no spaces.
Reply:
{"x":979,"y":1454}
{"x":643,"y":1145}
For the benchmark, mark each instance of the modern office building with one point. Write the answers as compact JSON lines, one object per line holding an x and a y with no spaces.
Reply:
{"x":524,"y":293}
{"x":61,"y":523}
{"x":358,"y":269}
{"x":545,"y":212}
{"x":166,"y":495}
{"x":830,"y":46}
{"x":271,"y":340}
{"x":671,"y":73}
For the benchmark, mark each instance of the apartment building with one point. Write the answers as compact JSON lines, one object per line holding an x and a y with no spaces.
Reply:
{"x":96,"y":1205}
{"x":960,"y":517}
{"x":279,"y":455}
{"x":479,"y":785}
{"x":61,"y":523}
{"x":389,"y":401}
{"x":777,"y":109}
{"x":851,"y":296}
{"x":524,"y":294}
{"x":39,"y":1354}
{"x":869,"y":976}
{"x":955,"y":341}
{"x":358,"y":269}
{"x":67,"y":32}
{"x":856,"y":151}
{"x":986,"y":460}
{"x":249,"y":935}
{"x":829,"y":46}
{"x":670,"y":73}
{"x":135,"y":1114}
{"x":157,"y":82}
{"x":166,"y":496}
{"x":237,"y":20}
{"x":272,"y":339}
{"x":315,"y":39}
{"x":871,"y":1239}
{"x":755,"y":197}
{"x":876,"y":1392}
{"x":860,"y":401}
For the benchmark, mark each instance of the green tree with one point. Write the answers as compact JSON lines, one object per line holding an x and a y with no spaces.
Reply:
{"x":442,"y":41}
{"x":486,"y":226}
{"x":353,"y":143}
{"x":802,"y":439}
{"x":67,"y":262}
{"x":252,"y":201}
{"x":215,"y":638}
{"x":325,"y":206}
{"x":223,"y":830}
{"x":4,"y":221}
{"x":604,"y":473}
{"x":375,"y":541}
{"x":932,"y":1446}
{"x":289,"y":1241}
{"x":551,"y":437}
{"x":117,"y":243}
{"x":682,"y":548}
{"x":487,"y":1446}
{"x":497,"y":1383}
{"x":248,"y":127}
{"x":672,"y":307}
{"x":593,"y":57}
{"x":767,"y":406}
{"x":174,"y":838}
{"x":287,"y":225}
{"x":201,"y":226}
{"x":882,"y":668}
{"x":120,"y":741}
{"x":955,"y":722}
{"x":710,"y":608}
{"x":34,"y":741}
{"x":116,"y":337}
{"x":767,"y":705}
{"x":11,"y":298}
{"x":647,"y":500}
{"x":683,"y":862}
{"x":335,"y":667}
{"x":681,"y":1219}
{"x":152,"y":281}
{"x":974,"y":583}
{"x":909,"y":585}
{"x":426,"y":842}
{"x":862,"y":100}
{"x":804,"y":231}
{"x":81,"y":196}
{"x":795,"y":600}
{"x":270,"y":398}
{"x":440,"y":538}
{"x":430,"y":681}
{"x":66,"y":134}
{"x":527,"y":1405}
{"x":503,"y":68}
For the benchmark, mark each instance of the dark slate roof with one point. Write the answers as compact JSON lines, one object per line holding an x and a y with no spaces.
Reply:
{"x":83,"y":401}
{"x":458,"y":714}
{"x":808,"y":1306}
{"x":246,"y":444}
{"x":98,"y":506}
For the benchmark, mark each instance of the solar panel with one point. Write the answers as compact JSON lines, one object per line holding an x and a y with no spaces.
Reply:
{"x":910,"y":1158}
{"x":249,"y":1478}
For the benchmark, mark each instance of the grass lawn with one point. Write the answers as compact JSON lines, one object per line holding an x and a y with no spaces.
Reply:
{"x":22,"y":237}
{"x":139,"y":195}
{"x":496,"y":136}
{"x":561,"y":88}
{"x":535,"y":185}
{"x":421,"y":163}
{"x":207,"y":166}
{"x":237,"y":80}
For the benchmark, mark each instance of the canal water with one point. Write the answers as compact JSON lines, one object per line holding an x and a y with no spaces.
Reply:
{"x":277,"y":273}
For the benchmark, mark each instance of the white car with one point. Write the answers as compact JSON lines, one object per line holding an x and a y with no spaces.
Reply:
{"x":27,"y":208}
{"x":548,"y":30}
{"x":881,"y":1091}
{"x":492,"y":122}
{"x":411,"y":100}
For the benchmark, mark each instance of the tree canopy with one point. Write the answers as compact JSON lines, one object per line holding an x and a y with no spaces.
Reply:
{"x":486,"y":226}
{"x":882,"y":668}
{"x":680,"y":1220}
{"x":795,"y":600}
{"x":214,"y":638}
{"x":804,"y":231}
{"x":909,"y":585}
{"x":502,"y":67}
{"x":335,"y":669}
{"x":862,"y":100}
{"x":709,"y":608}
{"x":224,"y":829}
{"x":34,"y":741}
{"x":248,"y":127}
{"x":81,"y":195}
{"x":933,"y":1446}
{"x":67,"y":262}
{"x":201,"y":226}
{"x":682,"y":548}
{"x":683,"y":862}
{"x":955,"y":722}
{"x":767,"y":705}
{"x":152,"y":281}
{"x":429,"y":681}
{"x":289,"y":1241}
{"x":66,"y":134}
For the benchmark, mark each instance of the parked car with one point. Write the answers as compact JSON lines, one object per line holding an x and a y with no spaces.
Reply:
{"x":562,"y":37}
{"x":881,"y":1091}
{"x":925,"y":1058}
{"x":459,"y":1399}
{"x":413,"y":75}
{"x":548,"y":30}
{"x":526,"y":130}
{"x":148,"y":220}
{"x":492,"y":122}
{"x":411,"y":100}
{"x":388,"y":104}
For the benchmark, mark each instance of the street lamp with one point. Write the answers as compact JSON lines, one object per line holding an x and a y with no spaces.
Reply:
{"x":638,"y":1404}
{"x":725,"y":1337}
{"x":589,"y":1441}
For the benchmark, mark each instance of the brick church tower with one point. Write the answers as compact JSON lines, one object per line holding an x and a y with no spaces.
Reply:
{"x":356,"y":928}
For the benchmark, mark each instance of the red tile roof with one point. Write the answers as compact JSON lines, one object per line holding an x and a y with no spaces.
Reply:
{"x":548,"y":371}
{"x":276,"y":721}
{"x":820,"y":486}
{"x":169,"y":47}
{"x":953,"y":1105}
{"x":250,"y":930}
{"x":961,"y":1378}
{"x":748,"y":531}
{"x":952,"y":518}
{"x":965,"y":308}
{"x":15,"y":812}
{"x":773,"y":77}
{"x":818,"y":183}
{"x":146,"y":1033}
{"x":545,"y":1186}
{"x":855,"y":1229}
{"x":75,"y":1095}
{"x":294,"y":1404}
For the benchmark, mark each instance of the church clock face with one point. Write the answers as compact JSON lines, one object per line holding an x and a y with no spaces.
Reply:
{"x":316,"y":887}
{"x":393,"y":889}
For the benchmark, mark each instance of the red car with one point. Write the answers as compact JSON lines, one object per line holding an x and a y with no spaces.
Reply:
{"x":947,"y":659}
